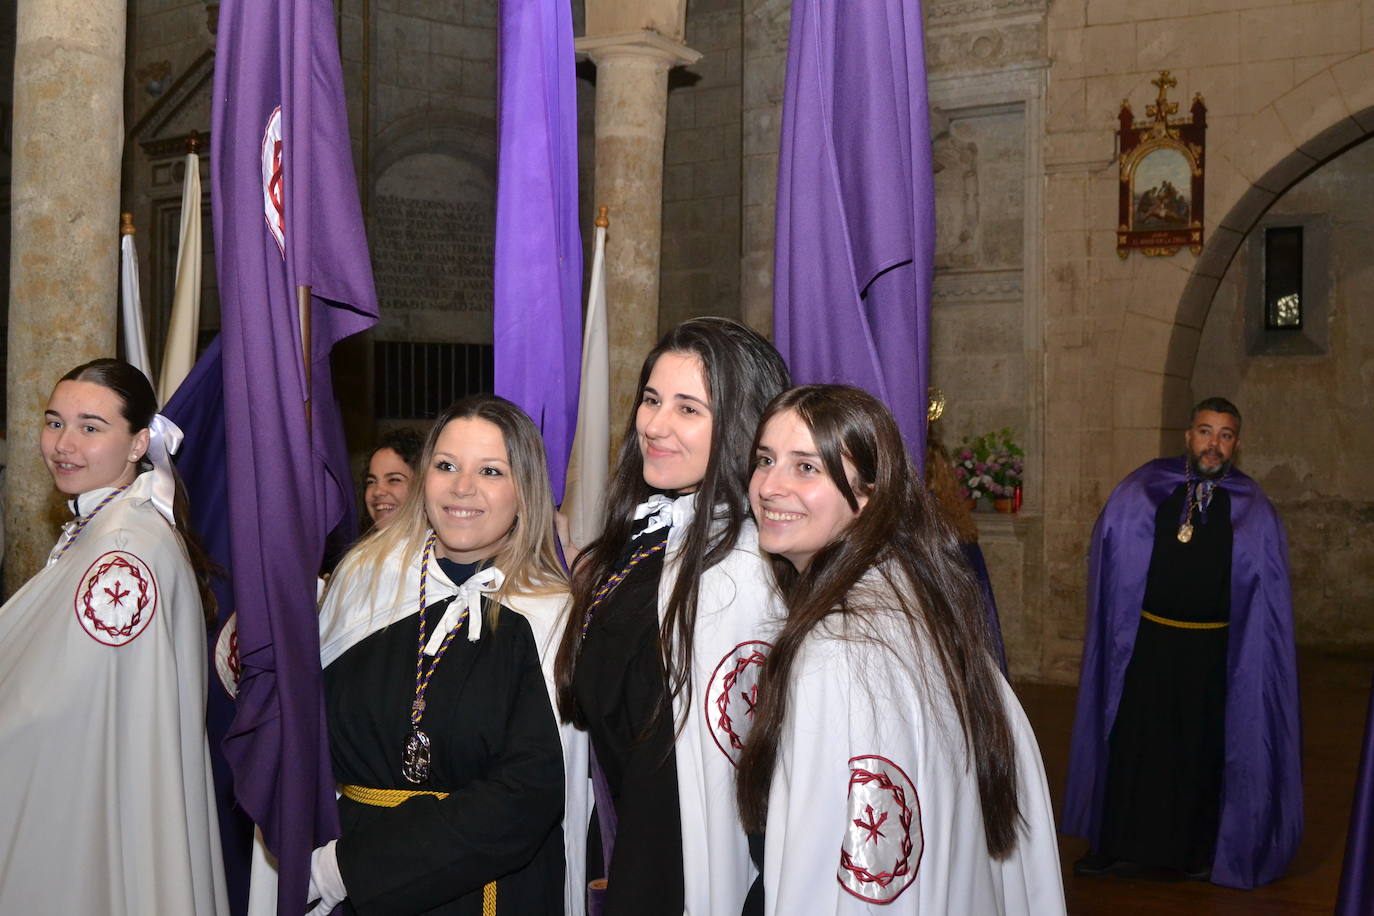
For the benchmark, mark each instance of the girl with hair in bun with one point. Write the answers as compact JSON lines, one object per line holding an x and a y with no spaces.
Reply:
{"x":109,"y":806}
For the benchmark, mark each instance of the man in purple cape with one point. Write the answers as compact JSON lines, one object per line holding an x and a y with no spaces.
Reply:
{"x":1129,"y":773}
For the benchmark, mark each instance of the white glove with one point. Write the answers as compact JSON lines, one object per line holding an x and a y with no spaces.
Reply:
{"x":326,"y":884}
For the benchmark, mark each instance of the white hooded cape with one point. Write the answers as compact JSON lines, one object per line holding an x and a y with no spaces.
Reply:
{"x":874,"y":805}
{"x":738,"y":612}
{"x":108,"y":804}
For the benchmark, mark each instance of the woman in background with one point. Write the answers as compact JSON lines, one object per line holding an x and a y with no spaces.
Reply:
{"x":390,"y":471}
{"x":671,"y":615}
{"x":889,"y":762}
{"x":949,"y":497}
{"x":441,"y":728}
{"x":108,"y":806}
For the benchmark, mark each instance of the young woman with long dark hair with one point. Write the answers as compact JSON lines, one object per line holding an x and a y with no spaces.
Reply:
{"x":889,"y":761}
{"x":109,"y":806}
{"x":671,"y":615}
{"x":433,"y":635}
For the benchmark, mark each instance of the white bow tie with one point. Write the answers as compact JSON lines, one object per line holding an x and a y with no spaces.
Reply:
{"x":467,"y":598}
{"x":658,"y":509}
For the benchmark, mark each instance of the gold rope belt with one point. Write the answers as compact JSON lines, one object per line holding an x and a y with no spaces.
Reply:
{"x":390,"y":798}
{"x":1186,"y":624}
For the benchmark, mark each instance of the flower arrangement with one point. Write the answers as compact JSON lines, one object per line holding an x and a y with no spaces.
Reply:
{"x":989,"y":466}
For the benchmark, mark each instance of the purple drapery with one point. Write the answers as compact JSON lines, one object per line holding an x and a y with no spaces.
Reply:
{"x":856,"y":206}
{"x":198,"y":408}
{"x":286,"y":214}
{"x":1357,"y":876}
{"x":1261,"y":798}
{"x":537,"y":323}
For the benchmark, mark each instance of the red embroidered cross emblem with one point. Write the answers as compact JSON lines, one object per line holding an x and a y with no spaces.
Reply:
{"x":275,"y":189}
{"x":117,"y":596}
{"x":872,"y":825}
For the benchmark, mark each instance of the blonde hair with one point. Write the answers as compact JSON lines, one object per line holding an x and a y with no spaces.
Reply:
{"x":527,"y":557}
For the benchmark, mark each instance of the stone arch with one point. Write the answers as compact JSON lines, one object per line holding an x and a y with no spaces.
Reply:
{"x":459,"y":134}
{"x":431,"y":224}
{"x":1273,"y":150}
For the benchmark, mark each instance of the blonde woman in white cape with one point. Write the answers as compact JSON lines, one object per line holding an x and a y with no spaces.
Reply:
{"x":450,"y":762}
{"x":889,"y":768}
{"x":108,"y":804}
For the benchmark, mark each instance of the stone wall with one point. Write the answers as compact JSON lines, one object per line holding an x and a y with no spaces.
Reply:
{"x":430,"y":159}
{"x":1287,"y":85}
{"x":701,"y":171}
{"x":1309,"y":417}
{"x":165,"y":37}
{"x":766,"y":26}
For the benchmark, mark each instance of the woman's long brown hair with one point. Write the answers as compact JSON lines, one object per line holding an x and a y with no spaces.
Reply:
{"x":742,"y":372}
{"x":900,"y":535}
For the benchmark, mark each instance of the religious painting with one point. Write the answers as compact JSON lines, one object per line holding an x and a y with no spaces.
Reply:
{"x":1161,"y":167}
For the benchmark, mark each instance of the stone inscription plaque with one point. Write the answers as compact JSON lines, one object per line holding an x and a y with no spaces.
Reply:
{"x":432,"y":254}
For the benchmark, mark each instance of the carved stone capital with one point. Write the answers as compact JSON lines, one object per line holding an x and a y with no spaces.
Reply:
{"x":612,"y":17}
{"x":641,"y":43}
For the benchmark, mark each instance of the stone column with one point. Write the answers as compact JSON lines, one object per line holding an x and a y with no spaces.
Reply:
{"x":766,"y":28}
{"x":631,"y":111}
{"x":64,"y":257}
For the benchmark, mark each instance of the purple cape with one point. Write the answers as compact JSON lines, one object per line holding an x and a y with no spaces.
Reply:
{"x":1261,"y":795}
{"x":1357,"y":878}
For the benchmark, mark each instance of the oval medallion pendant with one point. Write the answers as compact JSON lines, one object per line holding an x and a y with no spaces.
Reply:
{"x":415,"y":758}
{"x":1185,"y":533}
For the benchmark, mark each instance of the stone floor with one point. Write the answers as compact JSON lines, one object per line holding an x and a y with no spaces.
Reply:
{"x":1335,"y":696}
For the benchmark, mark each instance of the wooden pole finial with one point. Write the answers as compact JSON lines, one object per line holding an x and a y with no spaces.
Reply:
{"x":193,"y":142}
{"x":126,"y":224}
{"x":601,"y":221}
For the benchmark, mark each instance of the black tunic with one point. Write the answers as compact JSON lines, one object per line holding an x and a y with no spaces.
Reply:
{"x":1162,"y":797}
{"x":619,"y":686}
{"x":495,"y":750}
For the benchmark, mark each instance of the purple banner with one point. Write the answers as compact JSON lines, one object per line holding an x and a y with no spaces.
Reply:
{"x":286,"y":215}
{"x":856,"y":206}
{"x":538,"y":273}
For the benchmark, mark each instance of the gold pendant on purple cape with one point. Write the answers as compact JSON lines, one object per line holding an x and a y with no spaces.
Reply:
{"x":1185,"y":533}
{"x":415,"y":758}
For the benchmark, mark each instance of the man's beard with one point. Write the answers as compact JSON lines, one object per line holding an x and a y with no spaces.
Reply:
{"x":1205,"y":473}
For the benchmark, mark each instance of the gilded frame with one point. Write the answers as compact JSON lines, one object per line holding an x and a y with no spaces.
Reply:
{"x":1163,"y":172}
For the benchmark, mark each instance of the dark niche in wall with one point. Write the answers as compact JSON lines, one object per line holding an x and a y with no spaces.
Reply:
{"x":1288,"y":286}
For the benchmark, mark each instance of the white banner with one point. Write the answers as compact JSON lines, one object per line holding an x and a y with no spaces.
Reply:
{"x":179,"y":353}
{"x":584,"y":501}
{"x":135,"y":344}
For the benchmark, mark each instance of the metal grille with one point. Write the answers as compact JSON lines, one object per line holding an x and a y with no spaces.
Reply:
{"x":415,"y":381}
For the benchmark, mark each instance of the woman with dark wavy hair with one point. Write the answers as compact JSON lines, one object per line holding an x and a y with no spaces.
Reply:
{"x":108,"y":805}
{"x":671,"y":613}
{"x":889,"y":762}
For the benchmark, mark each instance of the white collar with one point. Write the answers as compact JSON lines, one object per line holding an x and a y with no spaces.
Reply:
{"x":468,"y":598}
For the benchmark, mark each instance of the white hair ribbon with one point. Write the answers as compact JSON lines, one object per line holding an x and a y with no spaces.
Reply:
{"x":468,"y":598}
{"x":164,"y":438}
{"x":658,"y":509}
